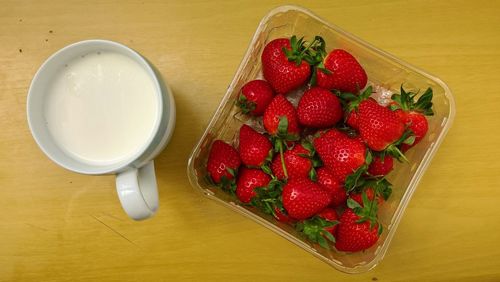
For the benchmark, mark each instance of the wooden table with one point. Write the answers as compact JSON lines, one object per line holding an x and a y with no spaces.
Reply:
{"x":58,"y":225}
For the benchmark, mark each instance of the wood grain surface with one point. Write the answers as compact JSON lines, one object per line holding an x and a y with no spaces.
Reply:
{"x":56,"y":225}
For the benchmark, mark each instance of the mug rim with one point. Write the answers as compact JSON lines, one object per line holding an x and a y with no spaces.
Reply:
{"x":96,"y":169}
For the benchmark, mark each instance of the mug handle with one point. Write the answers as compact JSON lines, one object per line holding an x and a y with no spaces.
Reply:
{"x":138,"y":191}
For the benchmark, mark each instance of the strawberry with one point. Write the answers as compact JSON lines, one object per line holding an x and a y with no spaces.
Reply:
{"x":359,"y":228}
{"x":303,"y":198}
{"x":319,"y":108}
{"x":353,"y":235}
{"x":341,"y":71}
{"x":320,"y":228}
{"x":223,"y":162}
{"x":296,"y":162}
{"x":381,"y":165}
{"x":333,"y":186}
{"x":283,"y":64}
{"x":276,"y":113}
{"x":341,"y":154}
{"x":248,"y":180}
{"x":413,"y":113}
{"x":254,"y":147}
{"x":255,"y":96}
{"x":379,"y":127}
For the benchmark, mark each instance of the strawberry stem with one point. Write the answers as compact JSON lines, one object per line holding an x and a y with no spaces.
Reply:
{"x":282,"y":157}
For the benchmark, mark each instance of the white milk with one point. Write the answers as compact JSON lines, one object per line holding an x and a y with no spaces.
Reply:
{"x":101,"y":108}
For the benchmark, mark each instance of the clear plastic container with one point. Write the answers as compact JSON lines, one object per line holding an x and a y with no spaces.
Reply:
{"x":384,"y":71}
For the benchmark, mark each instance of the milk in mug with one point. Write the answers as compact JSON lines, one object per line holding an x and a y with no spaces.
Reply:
{"x":101,"y":108}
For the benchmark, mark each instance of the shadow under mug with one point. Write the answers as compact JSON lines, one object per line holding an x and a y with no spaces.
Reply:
{"x":135,"y":176}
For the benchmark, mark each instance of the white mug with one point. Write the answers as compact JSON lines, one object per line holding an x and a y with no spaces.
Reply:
{"x":135,"y":176}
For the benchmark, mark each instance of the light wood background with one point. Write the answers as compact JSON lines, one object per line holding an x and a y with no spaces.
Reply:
{"x":58,"y":225}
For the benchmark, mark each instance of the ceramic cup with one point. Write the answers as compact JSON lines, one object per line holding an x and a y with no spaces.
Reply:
{"x":135,"y":175}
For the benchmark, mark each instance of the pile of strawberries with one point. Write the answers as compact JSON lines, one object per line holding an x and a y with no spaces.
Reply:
{"x":320,"y":166}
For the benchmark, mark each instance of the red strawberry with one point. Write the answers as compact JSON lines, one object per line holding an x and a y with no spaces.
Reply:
{"x":303,"y":198}
{"x":413,"y":113}
{"x":248,"y":180}
{"x":344,"y":72}
{"x":223,"y":161}
{"x":319,"y":108}
{"x":283,"y":64}
{"x":333,"y":186}
{"x":255,"y":96}
{"x":379,"y":127}
{"x":342,"y":155}
{"x":296,"y":163}
{"x":254,"y":147}
{"x":381,"y":167}
{"x":279,"y":109}
{"x":355,"y":236}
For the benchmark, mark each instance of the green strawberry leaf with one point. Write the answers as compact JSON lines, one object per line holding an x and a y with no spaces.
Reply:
{"x":367,"y":211}
{"x":355,"y":179}
{"x":354,"y":100}
{"x":268,"y":198}
{"x":245,"y":105}
{"x":266,"y":169}
{"x":293,"y":41}
{"x":394,"y":151}
{"x":406,"y":101}
{"x":313,"y":175}
{"x":231,"y":171}
{"x":424,"y":103}
{"x":367,"y":93}
{"x":380,"y":229}
{"x":269,"y":157}
{"x":228,"y":185}
{"x":308,"y":146}
{"x":383,"y":188}
{"x":410,"y":140}
{"x":353,"y":204}
{"x":347,"y":96}
{"x":322,"y":241}
{"x":314,"y":74}
{"x":368,"y":157}
{"x":283,"y":126}
{"x":314,"y":230}
{"x":323,"y":69}
{"x":329,"y":235}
